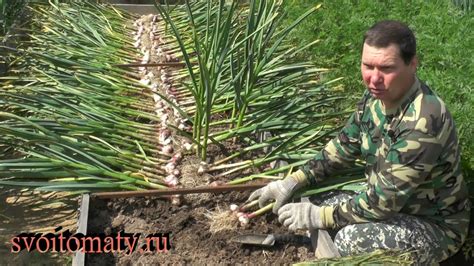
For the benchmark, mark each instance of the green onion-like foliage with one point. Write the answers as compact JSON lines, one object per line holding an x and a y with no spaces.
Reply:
{"x":212,"y":48}
{"x":245,"y":75}
{"x":69,"y":119}
{"x":378,"y":257}
{"x":245,"y":83}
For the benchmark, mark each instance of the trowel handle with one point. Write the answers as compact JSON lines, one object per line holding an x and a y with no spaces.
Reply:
{"x":288,"y":238}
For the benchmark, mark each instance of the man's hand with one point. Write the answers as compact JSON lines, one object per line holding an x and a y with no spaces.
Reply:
{"x":304,"y":216}
{"x":280,"y":191}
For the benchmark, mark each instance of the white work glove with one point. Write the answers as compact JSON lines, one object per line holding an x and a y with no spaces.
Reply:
{"x":304,"y":216}
{"x":280,"y":191}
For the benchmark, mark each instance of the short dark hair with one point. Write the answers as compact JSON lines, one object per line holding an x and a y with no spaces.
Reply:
{"x":386,"y":32}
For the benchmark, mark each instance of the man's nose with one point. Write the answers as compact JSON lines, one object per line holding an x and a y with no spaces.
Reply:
{"x":376,"y":76}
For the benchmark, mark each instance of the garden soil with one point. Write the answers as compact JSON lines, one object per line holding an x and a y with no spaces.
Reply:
{"x":190,"y":238}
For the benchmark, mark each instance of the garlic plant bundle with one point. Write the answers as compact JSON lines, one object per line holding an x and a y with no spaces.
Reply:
{"x":73,"y":120}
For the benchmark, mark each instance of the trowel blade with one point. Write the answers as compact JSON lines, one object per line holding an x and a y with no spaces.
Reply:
{"x":254,"y":239}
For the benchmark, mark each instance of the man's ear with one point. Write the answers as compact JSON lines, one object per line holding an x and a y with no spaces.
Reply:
{"x":414,"y":63}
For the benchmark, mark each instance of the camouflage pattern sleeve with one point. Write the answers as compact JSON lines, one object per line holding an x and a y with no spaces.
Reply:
{"x":408,"y":163}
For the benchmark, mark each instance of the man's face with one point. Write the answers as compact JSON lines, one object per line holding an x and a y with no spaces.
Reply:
{"x":385,"y":74}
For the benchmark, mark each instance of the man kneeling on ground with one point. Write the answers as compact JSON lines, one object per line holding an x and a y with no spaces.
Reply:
{"x":416,"y":198}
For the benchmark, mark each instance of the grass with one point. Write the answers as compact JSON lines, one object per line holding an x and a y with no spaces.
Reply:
{"x":378,"y":257}
{"x":444,"y":38}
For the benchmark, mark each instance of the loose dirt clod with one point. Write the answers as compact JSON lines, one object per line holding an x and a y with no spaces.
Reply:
{"x":222,"y":220}
{"x":189,"y":170}
{"x":190,"y":178}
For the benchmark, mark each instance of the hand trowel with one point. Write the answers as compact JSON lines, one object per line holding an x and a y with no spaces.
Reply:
{"x":271,"y":239}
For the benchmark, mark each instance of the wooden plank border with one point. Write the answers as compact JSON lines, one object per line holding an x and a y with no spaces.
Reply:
{"x":79,"y":257}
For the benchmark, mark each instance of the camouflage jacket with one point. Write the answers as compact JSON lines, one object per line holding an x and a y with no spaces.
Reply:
{"x":412,"y":163}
